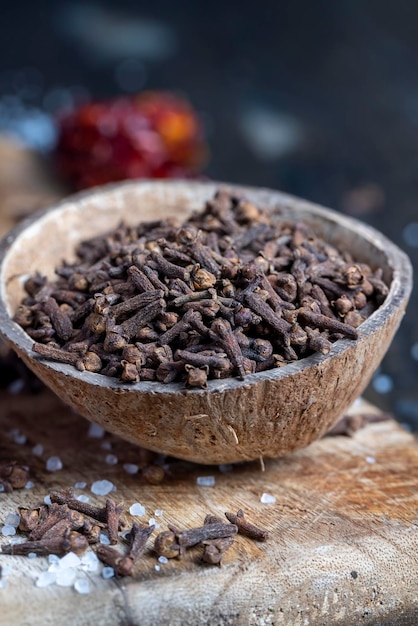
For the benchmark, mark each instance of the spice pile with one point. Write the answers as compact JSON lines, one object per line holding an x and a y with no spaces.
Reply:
{"x":232,"y":291}
{"x":69,"y":525}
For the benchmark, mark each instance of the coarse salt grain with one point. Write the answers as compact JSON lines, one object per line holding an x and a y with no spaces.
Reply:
{"x":111,"y":459}
{"x":137,"y":509}
{"x":157,"y":568}
{"x":1,"y":488}
{"x":16,"y":386}
{"x":66,"y":577}
{"x":53,"y":464}
{"x":45,"y":579}
{"x":80,"y":485}
{"x":158,"y":512}
{"x":108,"y":572}
{"x":47,"y":499}
{"x":225,"y":467}
{"x":32,"y":555}
{"x":29,"y":485}
{"x":13,"y":519}
{"x":104,"y":539}
{"x":205,"y":481}
{"x":82,"y":585}
{"x":3,"y":583}
{"x":266,"y":498}
{"x":89,"y":562}
{"x":370,"y":459}
{"x":69,"y":560}
{"x":95,"y":431}
{"x":130,"y":468}
{"x":106,"y":445}
{"x":83,"y":498}
{"x":38,"y":450}
{"x":20,"y":439}
{"x":162,"y":559}
{"x":8,"y":530}
{"x":102,"y":487}
{"x":152,"y":522}
{"x":53,"y":558}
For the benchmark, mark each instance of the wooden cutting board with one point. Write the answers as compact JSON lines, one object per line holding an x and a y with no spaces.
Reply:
{"x":343,"y":545}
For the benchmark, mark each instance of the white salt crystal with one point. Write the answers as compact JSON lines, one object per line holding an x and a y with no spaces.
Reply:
{"x":83,"y":498}
{"x":225,"y":467}
{"x":53,"y":558}
{"x":16,"y":386}
{"x":47,"y":499}
{"x":8,"y":530}
{"x":111,"y":459}
{"x":38,"y":450}
{"x":130,"y":468}
{"x":106,"y":445}
{"x":1,"y":488}
{"x":108,"y":572}
{"x":66,"y":577}
{"x":20,"y":439}
{"x":205,"y":481}
{"x":157,"y":568}
{"x":13,"y":519}
{"x":266,"y":498}
{"x":90,"y":562}
{"x":15,"y":540}
{"x":158,"y":512}
{"x":104,"y":539}
{"x":137,"y":509}
{"x":3,"y":583}
{"x":152,"y":522}
{"x":32,"y":555}
{"x":54,"y":464}
{"x":82,"y":585}
{"x":29,"y":485}
{"x":370,"y":459}
{"x":80,"y":485}
{"x":69,"y":560}
{"x":102,"y":487}
{"x":45,"y":579}
{"x":162,"y":559}
{"x":6,"y":570}
{"x":95,"y":431}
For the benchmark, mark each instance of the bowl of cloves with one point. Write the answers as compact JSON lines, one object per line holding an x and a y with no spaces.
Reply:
{"x":211,"y":322}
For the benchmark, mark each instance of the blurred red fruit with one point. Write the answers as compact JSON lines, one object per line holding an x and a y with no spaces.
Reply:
{"x":152,"y":135}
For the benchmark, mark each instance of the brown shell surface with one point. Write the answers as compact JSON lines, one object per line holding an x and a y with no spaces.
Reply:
{"x":268,"y":414}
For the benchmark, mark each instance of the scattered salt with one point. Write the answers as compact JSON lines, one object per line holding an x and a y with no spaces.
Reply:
{"x":20,"y":439}
{"x":66,"y":577}
{"x":6,"y":570}
{"x":104,"y":539}
{"x":102,"y":487}
{"x":80,"y":485}
{"x":370,"y":459}
{"x":90,"y":562}
{"x":162,"y":559}
{"x":16,"y":386}
{"x":38,"y":450}
{"x":32,"y":555}
{"x":131,"y":468}
{"x":225,"y":467}
{"x":29,"y":485}
{"x":111,"y":459}
{"x":106,"y":445}
{"x":137,"y":509}
{"x":157,"y":568}
{"x":1,"y":488}
{"x":15,"y":540}
{"x":69,"y":560}
{"x":205,"y":481}
{"x":13,"y":519}
{"x":83,"y":498}
{"x":266,"y":498}
{"x":45,"y":579}
{"x":82,"y":585}
{"x":53,"y":558}
{"x":3,"y":583}
{"x":152,"y":522}
{"x":95,"y":431}
{"x":158,"y":512}
{"x":47,"y":499}
{"x":108,"y":572}
{"x":54,"y":464}
{"x":8,"y":530}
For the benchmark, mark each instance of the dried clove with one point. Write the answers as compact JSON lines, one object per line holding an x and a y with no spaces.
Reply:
{"x":245,"y":527}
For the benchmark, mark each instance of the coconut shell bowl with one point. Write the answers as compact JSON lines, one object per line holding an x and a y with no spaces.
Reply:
{"x":268,"y":413}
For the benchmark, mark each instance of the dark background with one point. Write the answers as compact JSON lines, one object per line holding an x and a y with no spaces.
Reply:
{"x":319,"y":99}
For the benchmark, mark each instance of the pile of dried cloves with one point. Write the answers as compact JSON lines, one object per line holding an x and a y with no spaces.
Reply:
{"x":70,"y":525}
{"x":233,"y":290}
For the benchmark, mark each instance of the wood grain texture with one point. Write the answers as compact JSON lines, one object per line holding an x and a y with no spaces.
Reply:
{"x":343,"y":531}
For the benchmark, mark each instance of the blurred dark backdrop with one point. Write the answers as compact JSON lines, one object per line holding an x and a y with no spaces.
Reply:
{"x":319,"y":99}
